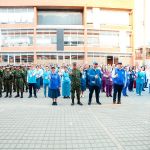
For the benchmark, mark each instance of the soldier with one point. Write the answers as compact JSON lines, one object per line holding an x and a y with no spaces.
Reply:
{"x":25,"y":71}
{"x":14,"y":82}
{"x":1,"y":80}
{"x":75,"y":76}
{"x":19,"y":78}
{"x":8,"y":77}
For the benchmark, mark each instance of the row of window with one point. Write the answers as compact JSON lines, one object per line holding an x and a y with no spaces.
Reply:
{"x":95,"y":16}
{"x":10,"y":38}
{"x":57,"y":57}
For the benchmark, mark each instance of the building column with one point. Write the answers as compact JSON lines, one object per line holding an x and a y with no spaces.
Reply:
{"x":34,"y":35}
{"x":85,"y":35}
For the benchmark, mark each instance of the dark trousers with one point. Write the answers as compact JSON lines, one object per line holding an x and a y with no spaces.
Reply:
{"x":117,"y":90}
{"x":108,"y":89}
{"x":76,"y":89}
{"x":32,"y":86}
{"x":97,"y":91}
{"x":130,"y":86}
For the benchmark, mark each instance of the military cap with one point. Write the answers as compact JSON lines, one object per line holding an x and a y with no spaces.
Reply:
{"x":74,"y":63}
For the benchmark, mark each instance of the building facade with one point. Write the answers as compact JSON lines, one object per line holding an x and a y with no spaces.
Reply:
{"x":62,"y":31}
{"x":142,"y":30}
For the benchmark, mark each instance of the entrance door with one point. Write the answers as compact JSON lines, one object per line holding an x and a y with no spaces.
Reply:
{"x":110,"y":60}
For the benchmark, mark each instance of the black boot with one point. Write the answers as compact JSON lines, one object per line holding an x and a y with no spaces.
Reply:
{"x":17,"y":95}
{"x":79,"y":103}
{"x":6,"y":95}
{"x":21,"y":95}
{"x":72,"y":102}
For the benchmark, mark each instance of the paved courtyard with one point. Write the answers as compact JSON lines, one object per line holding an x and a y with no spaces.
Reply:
{"x":36,"y":124}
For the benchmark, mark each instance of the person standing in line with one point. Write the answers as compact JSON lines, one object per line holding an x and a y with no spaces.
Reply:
{"x":127,"y":80}
{"x":8,"y":79}
{"x":1,"y":80}
{"x":31,"y":79}
{"x":54,"y":85}
{"x":66,"y":83}
{"x":39,"y":74}
{"x":20,"y":81}
{"x":95,"y":79}
{"x":131,"y":79}
{"x":103,"y":79}
{"x":45,"y":79}
{"x":148,"y":78}
{"x":108,"y":81}
{"x":83,"y":81}
{"x":140,"y":81}
{"x":75,"y":76}
{"x":118,"y":76}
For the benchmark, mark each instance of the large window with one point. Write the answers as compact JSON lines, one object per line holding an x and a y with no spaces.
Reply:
{"x":107,"y":17}
{"x":17,"y":37}
{"x":16,"y":15}
{"x":139,"y":53}
{"x":14,"y":58}
{"x":109,"y":39}
{"x":46,"y":37}
{"x":59,"y":17}
{"x":73,"y":37}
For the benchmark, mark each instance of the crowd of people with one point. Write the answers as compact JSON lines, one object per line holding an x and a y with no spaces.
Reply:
{"x":68,"y":80}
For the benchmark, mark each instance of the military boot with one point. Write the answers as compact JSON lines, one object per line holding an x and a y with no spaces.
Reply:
{"x":17,"y":95}
{"x":21,"y":95}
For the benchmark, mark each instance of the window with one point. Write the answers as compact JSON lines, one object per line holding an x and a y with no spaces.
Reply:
{"x":99,"y":16}
{"x":59,"y":17}
{"x":139,"y":53}
{"x":109,"y":39}
{"x":17,"y":37}
{"x":114,"y":17}
{"x":16,"y":15}
{"x":73,"y":37}
{"x":46,"y":37}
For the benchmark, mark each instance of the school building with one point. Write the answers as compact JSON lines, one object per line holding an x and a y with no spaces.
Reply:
{"x":64,"y":31}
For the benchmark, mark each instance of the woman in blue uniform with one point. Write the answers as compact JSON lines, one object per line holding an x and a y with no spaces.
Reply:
{"x":54,"y":85}
{"x":46,"y":75}
{"x":140,"y":81}
{"x":83,"y":81}
{"x":66,"y":83}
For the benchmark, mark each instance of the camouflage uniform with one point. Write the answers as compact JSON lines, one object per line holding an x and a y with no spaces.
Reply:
{"x":75,"y":84}
{"x":8,"y":77}
{"x":14,"y":82}
{"x":1,"y":81}
{"x":19,"y":80}
{"x":25,"y":79}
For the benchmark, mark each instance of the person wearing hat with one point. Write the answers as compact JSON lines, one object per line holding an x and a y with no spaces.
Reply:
{"x":31,"y":80}
{"x":8,"y":77}
{"x":94,"y":76}
{"x":75,"y":76}
{"x":1,"y":80}
{"x":54,"y":85}
{"x":20,"y":81}
{"x":118,"y":76}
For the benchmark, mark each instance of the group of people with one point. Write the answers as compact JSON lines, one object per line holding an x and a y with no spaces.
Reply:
{"x":66,"y":80}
